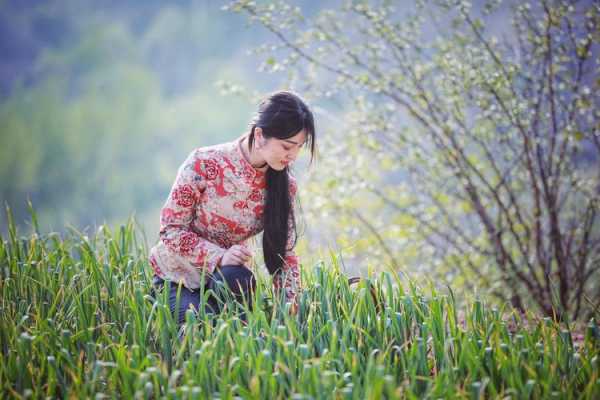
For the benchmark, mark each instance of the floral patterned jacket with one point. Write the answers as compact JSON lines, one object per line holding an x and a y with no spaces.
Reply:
{"x":216,"y":202}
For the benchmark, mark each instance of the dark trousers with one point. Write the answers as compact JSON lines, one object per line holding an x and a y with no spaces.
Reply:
{"x":227,"y":282}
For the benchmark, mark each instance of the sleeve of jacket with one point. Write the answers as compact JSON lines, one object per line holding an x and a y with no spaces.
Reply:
{"x":178,"y":213}
{"x":289,"y":278}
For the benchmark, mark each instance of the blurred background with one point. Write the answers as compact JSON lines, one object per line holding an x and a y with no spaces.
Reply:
{"x":419,"y":107}
{"x":102,"y":100}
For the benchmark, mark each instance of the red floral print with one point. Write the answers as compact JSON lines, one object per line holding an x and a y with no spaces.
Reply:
{"x":208,"y":211}
{"x":207,"y":168}
{"x":248,"y":172}
{"x":293,"y":188}
{"x":256,"y":196}
{"x":184,"y":196}
{"x":155,"y":267}
{"x":201,"y":257}
{"x":187,"y":242}
{"x":168,"y":215}
{"x":240,"y":204}
{"x":258,"y":210}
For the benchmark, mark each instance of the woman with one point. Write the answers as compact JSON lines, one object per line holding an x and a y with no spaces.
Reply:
{"x":227,"y":193}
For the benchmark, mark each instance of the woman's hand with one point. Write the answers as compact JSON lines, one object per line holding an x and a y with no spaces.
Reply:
{"x":294,"y":308}
{"x":237,"y":255}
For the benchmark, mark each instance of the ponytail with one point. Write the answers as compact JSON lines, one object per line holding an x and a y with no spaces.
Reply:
{"x":282,"y":115}
{"x":277,"y":215}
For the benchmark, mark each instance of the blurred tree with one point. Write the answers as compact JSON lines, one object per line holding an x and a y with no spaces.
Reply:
{"x":96,"y":125}
{"x":477,"y":151}
{"x":75,"y":126}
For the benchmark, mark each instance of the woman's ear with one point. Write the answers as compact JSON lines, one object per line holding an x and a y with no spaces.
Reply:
{"x":258,"y":135}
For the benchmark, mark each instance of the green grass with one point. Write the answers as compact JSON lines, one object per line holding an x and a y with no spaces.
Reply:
{"x":77,"y":321}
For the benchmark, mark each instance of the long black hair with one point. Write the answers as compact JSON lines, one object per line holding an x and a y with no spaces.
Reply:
{"x":281,"y":115}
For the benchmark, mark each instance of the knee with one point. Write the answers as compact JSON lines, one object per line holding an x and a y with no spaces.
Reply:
{"x":183,"y":297}
{"x":238,"y":278}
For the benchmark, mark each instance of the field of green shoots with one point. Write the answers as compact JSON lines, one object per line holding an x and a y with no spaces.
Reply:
{"x":77,"y":320}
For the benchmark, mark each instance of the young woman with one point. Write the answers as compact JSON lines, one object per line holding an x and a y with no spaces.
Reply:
{"x":227,"y":193}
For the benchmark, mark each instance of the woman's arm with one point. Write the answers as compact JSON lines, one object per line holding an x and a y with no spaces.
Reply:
{"x":177,"y":215}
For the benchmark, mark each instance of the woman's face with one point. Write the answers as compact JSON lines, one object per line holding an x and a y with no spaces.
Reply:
{"x":279,"y":153}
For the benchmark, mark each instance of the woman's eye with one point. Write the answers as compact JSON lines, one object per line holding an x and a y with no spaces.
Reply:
{"x":286,"y":148}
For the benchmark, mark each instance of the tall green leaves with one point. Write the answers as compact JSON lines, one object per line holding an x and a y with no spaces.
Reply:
{"x":77,"y":319}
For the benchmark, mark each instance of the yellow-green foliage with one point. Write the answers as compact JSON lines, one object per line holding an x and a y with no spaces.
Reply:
{"x":77,"y":320}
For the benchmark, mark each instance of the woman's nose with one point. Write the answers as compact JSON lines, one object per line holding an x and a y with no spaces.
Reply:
{"x":293,"y":154}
